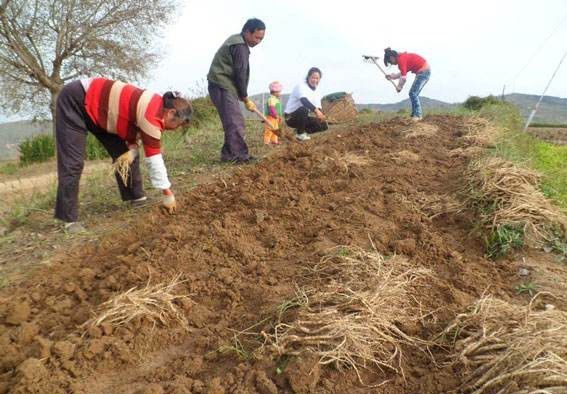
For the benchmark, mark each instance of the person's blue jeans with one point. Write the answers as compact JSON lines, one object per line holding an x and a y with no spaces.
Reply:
{"x":418,"y":84}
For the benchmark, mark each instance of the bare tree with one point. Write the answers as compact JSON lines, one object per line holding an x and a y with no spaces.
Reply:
{"x":45,"y":43}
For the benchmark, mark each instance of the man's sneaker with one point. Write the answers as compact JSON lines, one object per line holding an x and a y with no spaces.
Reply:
{"x":415,"y":118}
{"x":303,"y":137}
{"x":74,"y":228}
{"x":138,"y":202}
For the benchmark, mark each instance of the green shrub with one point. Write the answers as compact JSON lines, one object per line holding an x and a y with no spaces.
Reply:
{"x":95,"y":150}
{"x":204,"y":112}
{"x":365,"y":111}
{"x":503,"y":240}
{"x":475,"y":103}
{"x":37,"y":149}
{"x":41,"y":147}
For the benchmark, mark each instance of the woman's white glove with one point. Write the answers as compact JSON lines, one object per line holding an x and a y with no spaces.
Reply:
{"x":158,"y":172}
{"x":168,"y":201}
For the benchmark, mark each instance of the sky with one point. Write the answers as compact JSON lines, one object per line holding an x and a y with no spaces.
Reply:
{"x":474,"y":48}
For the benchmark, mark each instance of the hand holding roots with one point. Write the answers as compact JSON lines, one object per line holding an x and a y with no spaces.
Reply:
{"x":169,"y":204}
{"x":122,"y":164}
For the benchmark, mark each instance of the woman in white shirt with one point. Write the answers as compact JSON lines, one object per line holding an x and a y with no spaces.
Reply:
{"x":305,"y":99}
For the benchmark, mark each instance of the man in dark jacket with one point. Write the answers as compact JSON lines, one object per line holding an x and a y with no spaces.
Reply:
{"x":228,"y":83}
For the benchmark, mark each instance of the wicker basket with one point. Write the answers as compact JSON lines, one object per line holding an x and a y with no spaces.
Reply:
{"x":339,"y":107}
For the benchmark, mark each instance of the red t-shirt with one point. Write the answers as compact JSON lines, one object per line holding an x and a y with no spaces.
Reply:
{"x":410,"y":62}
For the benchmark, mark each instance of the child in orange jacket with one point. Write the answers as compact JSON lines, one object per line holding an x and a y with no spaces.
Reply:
{"x":273,"y":113}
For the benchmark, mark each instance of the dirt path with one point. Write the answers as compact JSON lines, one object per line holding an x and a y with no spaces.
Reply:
{"x":41,"y":182}
{"x":242,"y":244}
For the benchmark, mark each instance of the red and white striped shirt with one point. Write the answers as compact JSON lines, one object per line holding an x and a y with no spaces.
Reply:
{"x":127,"y":111}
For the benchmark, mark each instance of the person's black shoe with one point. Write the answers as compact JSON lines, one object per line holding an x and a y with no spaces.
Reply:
{"x":249,"y":160}
{"x":139,"y":202}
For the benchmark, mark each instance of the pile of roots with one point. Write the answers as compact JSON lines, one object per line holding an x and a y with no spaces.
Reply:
{"x":507,"y":195}
{"x":353,"y":314}
{"x":155,"y":304}
{"x":505,"y":348}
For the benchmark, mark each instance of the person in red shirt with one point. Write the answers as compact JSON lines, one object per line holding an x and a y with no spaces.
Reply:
{"x":119,"y":115}
{"x":415,"y":64}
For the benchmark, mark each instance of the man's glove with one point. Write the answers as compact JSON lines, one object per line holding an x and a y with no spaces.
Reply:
{"x":250,"y":106}
{"x":168,"y":201}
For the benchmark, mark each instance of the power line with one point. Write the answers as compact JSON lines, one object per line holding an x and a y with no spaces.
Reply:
{"x":532,"y":114}
{"x":536,"y":52}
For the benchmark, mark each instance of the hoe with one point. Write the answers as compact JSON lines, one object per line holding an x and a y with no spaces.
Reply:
{"x":374,"y":59}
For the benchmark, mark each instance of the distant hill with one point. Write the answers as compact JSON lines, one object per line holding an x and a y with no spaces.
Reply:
{"x":552,"y":109}
{"x":426,"y":102}
{"x":12,"y":133}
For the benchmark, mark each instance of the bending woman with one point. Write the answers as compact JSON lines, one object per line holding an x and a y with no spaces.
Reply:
{"x":305,"y":99}
{"x":118,"y":115}
{"x":417,"y":65}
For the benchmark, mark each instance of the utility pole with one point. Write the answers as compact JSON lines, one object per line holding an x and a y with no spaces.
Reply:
{"x":532,"y":114}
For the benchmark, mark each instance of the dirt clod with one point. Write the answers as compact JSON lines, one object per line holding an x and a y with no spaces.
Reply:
{"x":18,"y":313}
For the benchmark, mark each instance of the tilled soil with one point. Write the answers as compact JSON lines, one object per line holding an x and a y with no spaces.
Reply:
{"x":240,"y":244}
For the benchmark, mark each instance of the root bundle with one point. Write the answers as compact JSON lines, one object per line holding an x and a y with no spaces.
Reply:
{"x":505,"y":348}
{"x":506,"y":194}
{"x":121,"y":166}
{"x":156,"y":304}
{"x":353,"y":317}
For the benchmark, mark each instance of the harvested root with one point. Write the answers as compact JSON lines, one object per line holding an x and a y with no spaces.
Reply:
{"x":505,"y":194}
{"x":420,"y":130}
{"x":470,"y":152}
{"x":437,"y":205}
{"x":479,"y":132}
{"x":352,"y":159}
{"x":404,"y":156}
{"x":355,"y":317}
{"x":431,"y":205}
{"x":347,"y":162}
{"x":155,"y":304}
{"x":504,"y":348}
{"x":121,"y":166}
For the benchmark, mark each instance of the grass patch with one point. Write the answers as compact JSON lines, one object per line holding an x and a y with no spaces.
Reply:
{"x":9,"y":168}
{"x":548,"y":159}
{"x":21,"y":209}
{"x":503,"y":240}
{"x":529,"y":288}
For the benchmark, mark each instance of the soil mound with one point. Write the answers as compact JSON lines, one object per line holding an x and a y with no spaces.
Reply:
{"x":239,"y":248}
